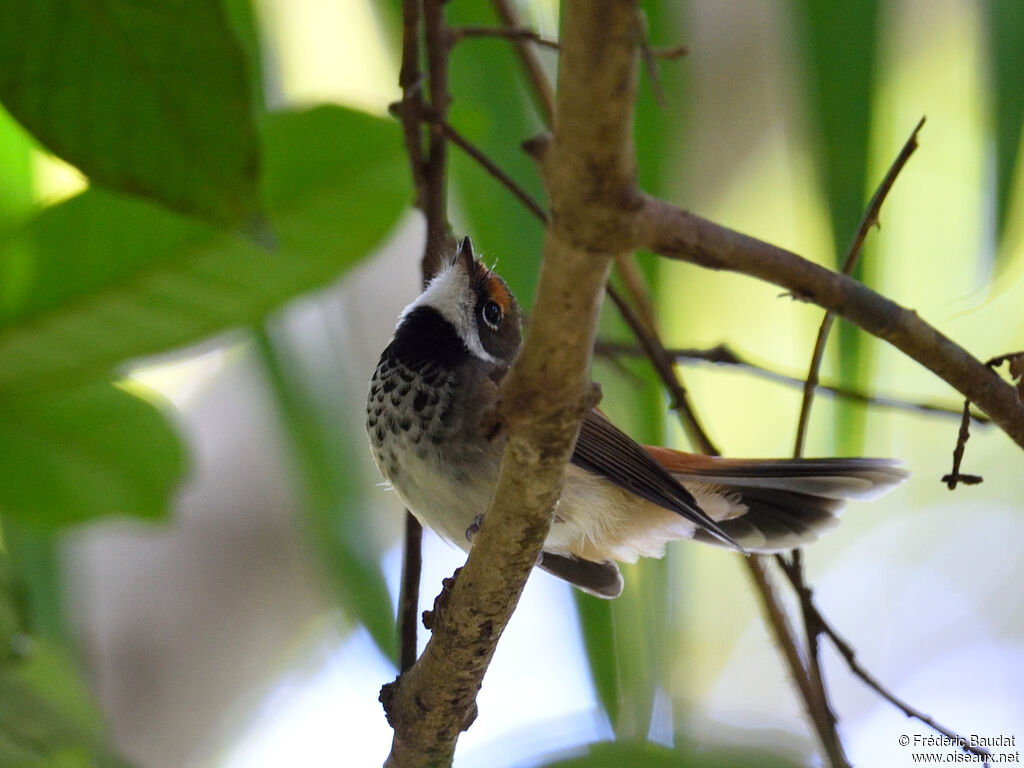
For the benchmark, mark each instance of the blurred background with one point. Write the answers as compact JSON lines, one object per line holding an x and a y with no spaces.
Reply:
{"x":242,"y":619}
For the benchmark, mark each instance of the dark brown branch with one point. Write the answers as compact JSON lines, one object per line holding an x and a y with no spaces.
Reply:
{"x":806,"y":596}
{"x":675,"y":233}
{"x":869,"y":220}
{"x":721,"y":354}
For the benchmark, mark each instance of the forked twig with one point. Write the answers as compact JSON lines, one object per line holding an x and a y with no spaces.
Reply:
{"x":955,"y":477}
{"x":806,"y":595}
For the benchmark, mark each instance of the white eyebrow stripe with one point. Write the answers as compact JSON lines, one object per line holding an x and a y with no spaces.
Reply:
{"x":447,"y":296}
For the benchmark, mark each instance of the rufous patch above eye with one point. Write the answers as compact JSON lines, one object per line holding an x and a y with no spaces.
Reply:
{"x":498,"y":293}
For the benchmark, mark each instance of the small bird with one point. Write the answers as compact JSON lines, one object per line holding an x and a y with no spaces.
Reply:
{"x":438,"y":380}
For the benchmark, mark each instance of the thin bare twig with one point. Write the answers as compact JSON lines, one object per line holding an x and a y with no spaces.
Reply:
{"x":811,"y":626}
{"x":955,"y":477}
{"x":428,"y":166}
{"x":440,"y":241}
{"x":645,"y":327}
{"x":511,"y":32}
{"x":722,"y":354}
{"x":794,"y":574}
{"x":410,"y":79}
{"x":485,"y":162}
{"x":409,"y":597}
{"x":785,"y":636}
{"x":869,"y":219}
{"x":637,"y":288}
{"x":540,"y":85}
{"x":663,"y":365}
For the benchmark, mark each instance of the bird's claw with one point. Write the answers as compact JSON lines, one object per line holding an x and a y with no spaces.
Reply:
{"x":474,"y":528}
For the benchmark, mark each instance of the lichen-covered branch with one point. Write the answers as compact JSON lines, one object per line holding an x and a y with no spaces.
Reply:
{"x":589,"y":168}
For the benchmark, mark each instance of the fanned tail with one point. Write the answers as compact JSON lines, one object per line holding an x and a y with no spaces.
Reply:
{"x":788,"y":502}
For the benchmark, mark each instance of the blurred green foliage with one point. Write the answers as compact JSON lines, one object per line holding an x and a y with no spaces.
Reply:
{"x":203,"y":213}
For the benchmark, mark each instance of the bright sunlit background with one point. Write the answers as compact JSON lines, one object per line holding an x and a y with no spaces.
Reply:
{"x":213,"y":641}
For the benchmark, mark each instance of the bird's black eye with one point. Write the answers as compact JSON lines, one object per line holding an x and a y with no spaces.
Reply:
{"x":491,"y":313}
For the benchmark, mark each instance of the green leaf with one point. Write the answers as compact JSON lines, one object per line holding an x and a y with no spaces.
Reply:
{"x":96,"y":450}
{"x":146,"y":98}
{"x":333,"y":496}
{"x":617,"y":754}
{"x":143,"y":280}
{"x":1005,"y":20}
{"x":242,"y":17}
{"x":46,"y":714}
{"x":335,"y":182}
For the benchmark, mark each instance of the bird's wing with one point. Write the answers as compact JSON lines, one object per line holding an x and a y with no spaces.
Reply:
{"x":605,"y":450}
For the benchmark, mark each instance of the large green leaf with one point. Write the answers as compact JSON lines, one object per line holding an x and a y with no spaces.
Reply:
{"x":335,"y":181}
{"x":95,"y":450}
{"x":104,"y":277}
{"x":1005,"y":19}
{"x":149,"y":98}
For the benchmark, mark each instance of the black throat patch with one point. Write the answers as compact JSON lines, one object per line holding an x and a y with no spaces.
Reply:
{"x":426,"y":338}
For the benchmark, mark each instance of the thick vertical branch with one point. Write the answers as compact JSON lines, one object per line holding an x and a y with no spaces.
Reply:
{"x":589,"y":170}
